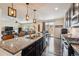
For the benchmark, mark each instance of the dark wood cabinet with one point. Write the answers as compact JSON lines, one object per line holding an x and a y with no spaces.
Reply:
{"x":68,"y":18}
{"x":75,"y":13}
{"x":35,"y":49}
{"x":72,"y":15}
{"x":28,"y":50}
{"x":75,"y":8}
{"x":75,"y":20}
{"x":40,"y":47}
{"x":31,"y":52}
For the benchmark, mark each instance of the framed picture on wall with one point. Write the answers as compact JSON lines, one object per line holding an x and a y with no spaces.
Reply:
{"x":11,"y":12}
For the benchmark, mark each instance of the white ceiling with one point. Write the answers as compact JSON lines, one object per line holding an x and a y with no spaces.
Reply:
{"x":45,"y":11}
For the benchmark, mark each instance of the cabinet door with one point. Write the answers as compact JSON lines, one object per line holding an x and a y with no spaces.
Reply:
{"x":44,"y":43}
{"x":75,"y":20}
{"x":70,"y":16}
{"x":75,"y":12}
{"x":66,"y":24}
{"x":75,"y":8}
{"x":37,"y":51}
{"x":29,"y":51}
{"x":67,"y":20}
{"x":40,"y":48}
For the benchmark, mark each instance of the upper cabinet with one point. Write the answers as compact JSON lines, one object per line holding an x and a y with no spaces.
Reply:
{"x":75,"y":8}
{"x":68,"y":18}
{"x":72,"y":16}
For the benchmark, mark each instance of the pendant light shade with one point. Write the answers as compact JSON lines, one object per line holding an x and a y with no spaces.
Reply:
{"x":34,"y":20}
{"x":11,"y":11}
{"x":27,"y":17}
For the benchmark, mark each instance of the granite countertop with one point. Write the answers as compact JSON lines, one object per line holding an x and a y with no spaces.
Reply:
{"x":13,"y":46}
{"x":70,"y":38}
{"x":75,"y":47}
{"x":74,"y":41}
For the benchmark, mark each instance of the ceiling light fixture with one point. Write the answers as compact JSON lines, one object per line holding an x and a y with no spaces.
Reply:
{"x":27,"y":17}
{"x":34,"y":20}
{"x":11,"y":11}
{"x":56,"y":8}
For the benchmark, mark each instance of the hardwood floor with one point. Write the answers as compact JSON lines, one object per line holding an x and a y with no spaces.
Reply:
{"x":53,"y":48}
{"x":57,"y":47}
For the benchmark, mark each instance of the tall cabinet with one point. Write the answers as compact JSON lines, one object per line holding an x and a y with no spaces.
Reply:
{"x":72,"y":16}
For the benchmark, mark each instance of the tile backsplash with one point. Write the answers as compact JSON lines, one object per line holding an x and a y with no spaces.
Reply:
{"x":74,"y":31}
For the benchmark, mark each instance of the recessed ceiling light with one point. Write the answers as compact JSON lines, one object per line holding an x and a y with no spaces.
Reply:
{"x":56,"y":8}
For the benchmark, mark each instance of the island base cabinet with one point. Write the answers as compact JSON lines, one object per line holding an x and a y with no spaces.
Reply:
{"x":41,"y":47}
{"x":35,"y":49}
{"x":31,"y":53}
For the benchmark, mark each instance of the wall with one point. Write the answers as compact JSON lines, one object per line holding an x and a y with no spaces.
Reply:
{"x":51,"y":30}
{"x":36,"y":26}
{"x":74,"y":32}
{"x":0,"y":25}
{"x":54,"y":31}
{"x":59,"y":21}
{"x":6,"y":20}
{"x":57,"y":30}
{"x":25,"y":26}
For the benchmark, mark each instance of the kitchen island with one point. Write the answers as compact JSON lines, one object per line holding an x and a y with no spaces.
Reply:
{"x":23,"y":46}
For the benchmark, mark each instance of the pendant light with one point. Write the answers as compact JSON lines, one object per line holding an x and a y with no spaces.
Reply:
{"x":11,"y":11}
{"x":34,"y":20}
{"x":27,"y":17}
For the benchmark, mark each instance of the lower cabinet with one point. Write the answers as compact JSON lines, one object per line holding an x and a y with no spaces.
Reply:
{"x":28,"y":51}
{"x":35,"y":49}
{"x":31,"y":52}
